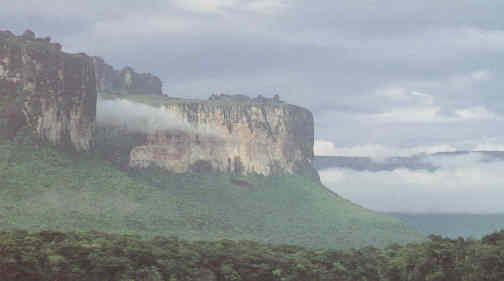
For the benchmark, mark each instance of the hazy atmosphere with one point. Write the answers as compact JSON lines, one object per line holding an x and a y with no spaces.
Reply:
{"x":251,"y":140}
{"x":382,"y":80}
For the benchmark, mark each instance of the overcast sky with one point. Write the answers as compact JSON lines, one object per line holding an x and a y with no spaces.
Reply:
{"x":380,"y":76}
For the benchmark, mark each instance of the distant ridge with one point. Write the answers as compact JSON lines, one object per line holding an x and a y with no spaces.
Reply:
{"x":415,"y":162}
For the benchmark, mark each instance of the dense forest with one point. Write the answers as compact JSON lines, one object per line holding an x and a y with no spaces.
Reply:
{"x":49,"y":256}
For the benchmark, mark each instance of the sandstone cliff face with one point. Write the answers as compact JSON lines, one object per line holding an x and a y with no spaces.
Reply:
{"x":239,"y":137}
{"x":52,"y":92}
{"x":125,"y":81}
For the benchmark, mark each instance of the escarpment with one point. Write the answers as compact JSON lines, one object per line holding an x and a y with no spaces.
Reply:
{"x":249,"y":136}
{"x":125,"y":81}
{"x":54,"y":94}
{"x":51,"y":92}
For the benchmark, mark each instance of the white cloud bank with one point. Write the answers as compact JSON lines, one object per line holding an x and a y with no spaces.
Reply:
{"x":143,"y":118}
{"x":137,"y":117}
{"x":463,"y":184}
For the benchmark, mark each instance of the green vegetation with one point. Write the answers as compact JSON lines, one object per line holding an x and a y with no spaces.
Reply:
{"x":49,"y":256}
{"x":46,"y":189}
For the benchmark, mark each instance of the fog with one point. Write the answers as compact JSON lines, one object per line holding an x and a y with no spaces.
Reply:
{"x":461,"y":184}
{"x":137,"y":117}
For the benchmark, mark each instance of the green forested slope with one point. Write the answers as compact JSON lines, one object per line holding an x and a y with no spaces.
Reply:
{"x":42,"y":188}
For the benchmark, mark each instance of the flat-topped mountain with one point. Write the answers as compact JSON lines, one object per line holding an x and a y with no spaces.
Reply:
{"x":243,"y":136}
{"x":237,"y":166}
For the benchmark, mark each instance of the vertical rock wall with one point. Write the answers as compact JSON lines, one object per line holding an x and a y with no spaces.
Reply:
{"x":240,"y":137}
{"x":52,"y":92}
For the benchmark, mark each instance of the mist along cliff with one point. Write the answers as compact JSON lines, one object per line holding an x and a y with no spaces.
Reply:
{"x":51,"y":92}
{"x":125,"y":81}
{"x":239,"y":136}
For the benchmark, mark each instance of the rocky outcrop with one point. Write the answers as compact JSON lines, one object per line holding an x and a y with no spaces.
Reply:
{"x":239,"y":137}
{"x":52,"y":92}
{"x":125,"y":81}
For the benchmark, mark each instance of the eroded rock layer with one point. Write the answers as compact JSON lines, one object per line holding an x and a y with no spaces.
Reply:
{"x":52,"y":92}
{"x":249,"y":137}
{"x":125,"y":81}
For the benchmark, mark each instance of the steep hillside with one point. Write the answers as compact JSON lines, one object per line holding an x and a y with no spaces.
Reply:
{"x":42,"y":188}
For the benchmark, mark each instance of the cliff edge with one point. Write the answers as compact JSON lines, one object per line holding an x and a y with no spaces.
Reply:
{"x":55,"y":95}
{"x":263,"y":136}
{"x":51,"y":92}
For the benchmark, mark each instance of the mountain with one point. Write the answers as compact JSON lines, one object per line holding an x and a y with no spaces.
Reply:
{"x":228,"y":167}
{"x":47,"y":189}
{"x":244,"y":136}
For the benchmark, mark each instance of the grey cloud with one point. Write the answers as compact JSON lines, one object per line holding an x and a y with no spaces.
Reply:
{"x":334,"y":57}
{"x":331,"y":57}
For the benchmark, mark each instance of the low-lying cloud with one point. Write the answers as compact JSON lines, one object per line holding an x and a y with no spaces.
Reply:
{"x":142,"y":118}
{"x":137,"y":117}
{"x":461,"y":184}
